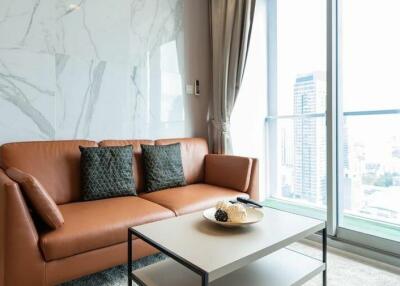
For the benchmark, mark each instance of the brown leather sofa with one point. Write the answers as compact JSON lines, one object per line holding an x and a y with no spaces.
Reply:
{"x":94,"y":234}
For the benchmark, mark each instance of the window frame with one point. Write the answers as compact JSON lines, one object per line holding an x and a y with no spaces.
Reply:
{"x":334,"y":122}
{"x":358,"y":238}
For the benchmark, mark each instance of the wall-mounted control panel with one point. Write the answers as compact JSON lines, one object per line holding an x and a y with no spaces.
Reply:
{"x":189,"y":89}
{"x":196,"y":87}
{"x":193,"y":89}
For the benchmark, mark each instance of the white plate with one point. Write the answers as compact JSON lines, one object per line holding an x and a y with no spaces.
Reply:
{"x":253,"y":216}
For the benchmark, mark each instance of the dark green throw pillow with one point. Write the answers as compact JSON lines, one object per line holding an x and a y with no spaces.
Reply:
{"x":106,"y":172}
{"x":162,"y":167}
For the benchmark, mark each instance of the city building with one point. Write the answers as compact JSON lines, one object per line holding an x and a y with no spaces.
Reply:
{"x":309,"y":139}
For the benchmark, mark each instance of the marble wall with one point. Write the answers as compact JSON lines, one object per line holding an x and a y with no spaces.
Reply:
{"x":101,"y":69}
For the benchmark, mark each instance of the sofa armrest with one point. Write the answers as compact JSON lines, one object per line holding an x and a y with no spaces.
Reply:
{"x":19,"y":238}
{"x":253,"y":189}
{"x":232,"y":172}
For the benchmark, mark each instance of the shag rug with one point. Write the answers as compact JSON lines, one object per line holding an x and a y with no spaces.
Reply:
{"x":344,"y":269}
{"x":116,"y":276}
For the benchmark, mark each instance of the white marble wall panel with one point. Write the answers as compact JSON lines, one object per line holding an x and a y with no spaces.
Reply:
{"x":91,"y":69}
{"x":27,"y":96}
{"x":93,"y":29}
{"x":92,"y":98}
{"x":155,"y":25}
{"x":27,"y":24}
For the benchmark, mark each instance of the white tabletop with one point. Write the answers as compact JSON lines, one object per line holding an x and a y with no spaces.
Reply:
{"x":218,"y":250}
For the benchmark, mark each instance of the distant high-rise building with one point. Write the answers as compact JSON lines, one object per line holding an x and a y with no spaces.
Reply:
{"x":287,"y":159}
{"x":309,"y":138}
{"x":345,"y":139}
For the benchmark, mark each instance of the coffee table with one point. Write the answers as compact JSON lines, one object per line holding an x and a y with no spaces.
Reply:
{"x":202,"y":253}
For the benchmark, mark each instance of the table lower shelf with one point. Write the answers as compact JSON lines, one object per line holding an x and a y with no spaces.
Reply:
{"x":281,"y":268}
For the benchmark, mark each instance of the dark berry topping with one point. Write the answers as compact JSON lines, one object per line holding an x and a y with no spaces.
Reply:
{"x":221,"y":215}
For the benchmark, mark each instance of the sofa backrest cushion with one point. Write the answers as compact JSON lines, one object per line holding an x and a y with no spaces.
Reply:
{"x":137,"y":165}
{"x":55,"y":164}
{"x":193,"y":151}
{"x":39,"y":198}
{"x":232,"y":172}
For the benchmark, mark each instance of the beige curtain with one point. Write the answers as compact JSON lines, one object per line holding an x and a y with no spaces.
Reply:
{"x":230,"y":23}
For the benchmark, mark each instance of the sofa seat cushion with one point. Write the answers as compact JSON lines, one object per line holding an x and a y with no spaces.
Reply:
{"x":96,"y":224}
{"x":191,"y":198}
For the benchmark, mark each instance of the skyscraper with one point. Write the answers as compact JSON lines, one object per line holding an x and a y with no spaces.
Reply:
{"x":309,"y":138}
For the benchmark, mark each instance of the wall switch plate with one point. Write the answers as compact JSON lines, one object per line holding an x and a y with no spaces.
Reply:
{"x":196,"y":87}
{"x":189,"y":89}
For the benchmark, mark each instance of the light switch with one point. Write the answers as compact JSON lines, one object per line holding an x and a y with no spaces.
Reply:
{"x":189,"y":89}
{"x":196,"y":87}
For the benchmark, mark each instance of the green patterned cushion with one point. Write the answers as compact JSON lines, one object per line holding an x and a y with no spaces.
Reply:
{"x":106,"y":172}
{"x":162,"y":167}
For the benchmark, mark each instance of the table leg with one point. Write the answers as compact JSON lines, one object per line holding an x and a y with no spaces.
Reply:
{"x":204,"y":279}
{"x":129,"y":257}
{"x":324,"y":242}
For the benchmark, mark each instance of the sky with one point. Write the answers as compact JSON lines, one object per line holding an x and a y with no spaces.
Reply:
{"x":370,"y":45}
{"x":369,"y":61}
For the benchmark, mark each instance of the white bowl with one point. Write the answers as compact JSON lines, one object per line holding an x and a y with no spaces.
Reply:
{"x":254,"y":215}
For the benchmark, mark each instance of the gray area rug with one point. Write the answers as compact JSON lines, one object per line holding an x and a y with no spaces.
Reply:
{"x":344,"y":270}
{"x":116,"y":276}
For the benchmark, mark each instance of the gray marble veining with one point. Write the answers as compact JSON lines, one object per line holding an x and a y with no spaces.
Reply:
{"x":28,"y":95}
{"x":27,"y":24}
{"x":91,"y":69}
{"x":153,"y":24}
{"x":91,"y":98}
{"x":93,"y":29}
{"x":30,"y":22}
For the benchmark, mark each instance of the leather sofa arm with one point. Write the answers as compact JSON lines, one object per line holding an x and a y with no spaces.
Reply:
{"x":253,"y":190}
{"x":18,"y":238}
{"x":234,"y":172}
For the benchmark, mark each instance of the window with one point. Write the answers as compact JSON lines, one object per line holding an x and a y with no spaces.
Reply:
{"x":296,"y":131}
{"x":370,"y":101}
{"x":333,"y":116}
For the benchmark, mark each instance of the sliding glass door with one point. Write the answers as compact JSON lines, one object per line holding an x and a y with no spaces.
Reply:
{"x":333,"y":123}
{"x":296,"y":131}
{"x":369,"y":149}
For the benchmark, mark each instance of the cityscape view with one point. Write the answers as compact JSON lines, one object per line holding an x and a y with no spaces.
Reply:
{"x":370,"y":166}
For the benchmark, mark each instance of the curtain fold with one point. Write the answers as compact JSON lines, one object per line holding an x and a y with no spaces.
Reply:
{"x":230,"y":27}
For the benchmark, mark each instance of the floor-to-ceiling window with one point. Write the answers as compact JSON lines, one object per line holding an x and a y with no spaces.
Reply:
{"x":296,"y":131}
{"x":353,"y":155}
{"x":369,"y":101}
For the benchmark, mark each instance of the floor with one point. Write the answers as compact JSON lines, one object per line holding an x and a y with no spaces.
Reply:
{"x":344,"y":270}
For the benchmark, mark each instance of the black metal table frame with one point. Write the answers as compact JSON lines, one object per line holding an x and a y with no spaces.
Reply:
{"x":204,"y":274}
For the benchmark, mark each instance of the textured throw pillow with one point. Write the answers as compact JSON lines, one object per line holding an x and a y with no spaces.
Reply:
{"x":162,"y":167}
{"x":106,"y":172}
{"x":40,"y":200}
